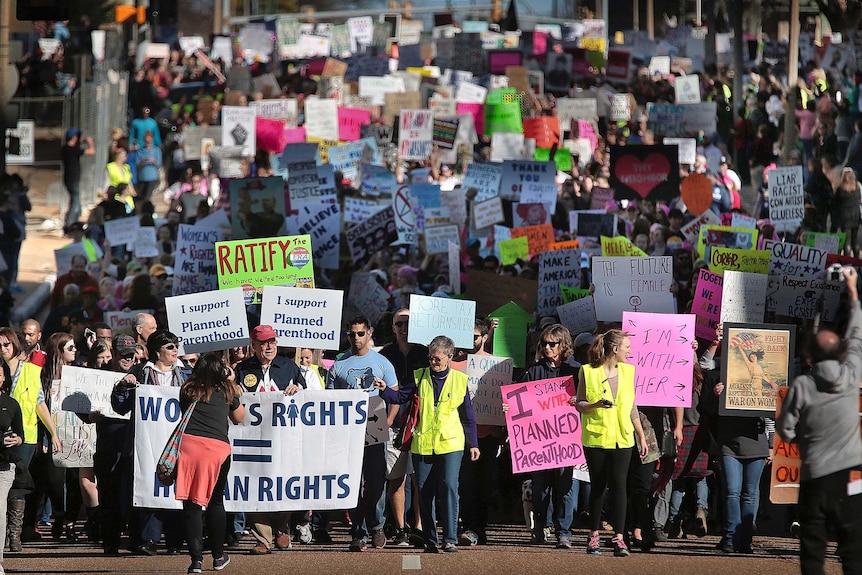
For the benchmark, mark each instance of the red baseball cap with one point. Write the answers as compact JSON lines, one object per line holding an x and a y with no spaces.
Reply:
{"x":263,"y":333}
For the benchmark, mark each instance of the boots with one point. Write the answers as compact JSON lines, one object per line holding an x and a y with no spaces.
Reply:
{"x":15,"y":517}
{"x":94,"y":524}
{"x":700,"y":527}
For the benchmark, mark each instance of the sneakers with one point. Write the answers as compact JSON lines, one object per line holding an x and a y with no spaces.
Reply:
{"x":416,"y":538}
{"x":402,"y":537}
{"x":378,"y":539}
{"x":358,"y":545}
{"x":564,"y":542}
{"x":795,"y":528}
{"x":303,"y":531}
{"x":594,"y":546}
{"x":468,"y":538}
{"x":620,"y":548}
{"x":196,"y":567}
{"x":221,"y":562}
{"x":149,"y":548}
{"x":658,"y":534}
{"x":450,"y":548}
{"x":431,"y":549}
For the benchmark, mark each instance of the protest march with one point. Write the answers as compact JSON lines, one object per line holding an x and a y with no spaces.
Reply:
{"x":413,"y":277}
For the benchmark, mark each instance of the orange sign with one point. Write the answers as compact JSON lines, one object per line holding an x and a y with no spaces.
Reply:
{"x":539,"y":238}
{"x":697,"y":193}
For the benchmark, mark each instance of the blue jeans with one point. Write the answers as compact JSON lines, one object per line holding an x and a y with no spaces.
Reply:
{"x":74,"y":213}
{"x":554,"y":488}
{"x":742,"y":477}
{"x":679,"y":488}
{"x":437,"y":477}
{"x":368,"y":515}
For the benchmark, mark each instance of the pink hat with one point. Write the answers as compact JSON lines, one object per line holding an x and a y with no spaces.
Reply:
{"x":263,"y":333}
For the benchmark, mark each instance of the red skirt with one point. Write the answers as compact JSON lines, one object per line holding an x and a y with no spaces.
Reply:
{"x":198,"y":468}
{"x":692,"y":459}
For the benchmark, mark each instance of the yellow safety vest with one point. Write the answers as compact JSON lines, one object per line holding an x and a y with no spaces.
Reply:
{"x":440,"y":429}
{"x":609,"y":428}
{"x":27,"y":394}
{"x":119,"y":174}
{"x":90,"y":250}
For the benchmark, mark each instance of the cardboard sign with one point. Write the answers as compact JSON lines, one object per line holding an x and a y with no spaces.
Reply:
{"x":706,"y":303}
{"x":645,"y":172}
{"x":491,"y":291}
{"x":145,"y":245}
{"x":556,"y":269}
{"x":662,"y":356}
{"x":538,"y":409}
{"x":632,"y":284}
{"x":786,"y":201}
{"x":303,"y":317}
{"x":488,"y":213}
{"x":486,"y":375}
{"x":123,"y":321}
{"x":743,"y":297}
{"x":238,"y":128}
{"x":785,"y":475}
{"x":209,"y":321}
{"x":433,"y":316}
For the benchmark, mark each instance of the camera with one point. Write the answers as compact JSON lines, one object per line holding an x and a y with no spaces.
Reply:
{"x":607,"y":403}
{"x":834,"y":273}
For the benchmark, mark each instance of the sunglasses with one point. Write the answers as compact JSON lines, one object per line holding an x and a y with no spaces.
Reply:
{"x":476,"y":336}
{"x":70,"y":348}
{"x":400,"y":324}
{"x":6,"y":344}
{"x":169,"y":347}
{"x":551,"y":344}
{"x":356,"y":333}
{"x":433,"y":359}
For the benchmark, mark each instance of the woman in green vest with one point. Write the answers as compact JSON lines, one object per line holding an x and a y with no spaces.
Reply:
{"x":609,"y":422}
{"x":444,"y":424}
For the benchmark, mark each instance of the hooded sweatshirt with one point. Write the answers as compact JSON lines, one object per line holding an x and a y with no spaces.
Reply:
{"x":821,"y":410}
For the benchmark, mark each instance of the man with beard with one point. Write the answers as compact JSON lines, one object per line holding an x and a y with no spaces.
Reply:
{"x":405,"y":358}
{"x":31,"y":333}
{"x":76,"y":275}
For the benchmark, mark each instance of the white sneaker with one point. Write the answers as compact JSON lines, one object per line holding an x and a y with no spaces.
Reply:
{"x":304,"y":531}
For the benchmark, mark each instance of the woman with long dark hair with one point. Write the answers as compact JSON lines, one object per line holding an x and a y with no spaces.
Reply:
{"x":204,"y":458}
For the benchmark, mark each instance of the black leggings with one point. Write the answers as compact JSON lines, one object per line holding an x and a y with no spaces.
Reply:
{"x":608,"y":469}
{"x":216,"y":519}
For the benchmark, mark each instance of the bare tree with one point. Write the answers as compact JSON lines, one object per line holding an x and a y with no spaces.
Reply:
{"x":843,"y":15}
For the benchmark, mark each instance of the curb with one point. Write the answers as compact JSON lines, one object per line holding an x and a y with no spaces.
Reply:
{"x":34,"y":302}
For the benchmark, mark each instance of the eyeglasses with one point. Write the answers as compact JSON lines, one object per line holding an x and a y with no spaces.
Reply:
{"x":476,"y":336}
{"x":70,"y":348}
{"x":169,"y":347}
{"x":434,"y":359}
{"x":400,"y":324}
{"x":6,"y":344}
{"x":550,"y":344}
{"x":356,"y":333}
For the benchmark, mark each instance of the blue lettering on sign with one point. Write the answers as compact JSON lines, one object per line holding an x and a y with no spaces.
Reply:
{"x":240,"y":489}
{"x":150,"y":408}
{"x":160,"y":490}
{"x":314,"y":487}
{"x":278,"y":411}
{"x":254,"y":410}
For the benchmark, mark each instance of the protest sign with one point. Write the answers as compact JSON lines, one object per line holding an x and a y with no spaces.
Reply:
{"x":757,"y":361}
{"x":318,"y":435}
{"x":195,"y":263}
{"x":621,"y":109}
{"x":145,"y":245}
{"x":620,"y":246}
{"x":579,"y":315}
{"x":686,"y":149}
{"x":455,"y":201}
{"x":569,"y":109}
{"x":122,"y":231}
{"x":433,"y":316}
{"x":556,"y":268}
{"x":645,"y":172}
{"x":454,"y":267}
{"x":540,"y":237}
{"x":194,"y":135}
{"x":574,"y":294}
{"x":794,"y":259}
{"x":545,"y":130}
{"x":277,"y":109}
{"x":123,"y":321}
{"x":415,"y":134}
{"x":252,"y":264}
{"x":632,"y":284}
{"x":691,"y":230}
{"x":507,"y":146}
{"x":486,"y":375}
{"x":367,"y":296}
{"x":802,"y":297}
{"x":303,"y":317}
{"x":488,"y":213}
{"x":349,"y":122}
{"x":377,"y":428}
{"x":321,"y":118}
{"x":724,"y":236}
{"x":829,"y":243}
{"x":502,"y":112}
{"x":238,"y":128}
{"x":358,"y":210}
{"x":396,"y":102}
{"x":662,"y":356}
{"x":687,"y":89}
{"x":743,"y":297}
{"x":513,"y":250}
{"x":723,"y":259}
{"x":83,"y":390}
{"x":209,"y":321}
{"x":322,"y":223}
{"x":405,"y":217}
{"x":566,"y":245}
{"x":706,"y":304}
{"x":510,"y":337}
{"x":445,"y":132}
{"x":544,"y":430}
{"x":491,"y":291}
{"x":592,"y":225}
{"x":785,"y":473}
{"x":786,"y":201}
{"x":258,"y":207}
{"x":437,"y":238}
{"x":739,"y":220}
{"x":367,"y":238}
{"x":77,"y":437}
{"x":681,"y":120}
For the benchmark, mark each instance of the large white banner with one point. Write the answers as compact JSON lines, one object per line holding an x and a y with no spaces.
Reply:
{"x":290,"y":453}
{"x":210,"y":320}
{"x":303,"y":317}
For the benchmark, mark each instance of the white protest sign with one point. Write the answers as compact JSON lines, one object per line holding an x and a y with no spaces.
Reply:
{"x":488,"y":213}
{"x":21,"y":143}
{"x":507,"y":146}
{"x":361,"y":32}
{"x":377,"y":428}
{"x":316,"y":435}
{"x":83,"y":390}
{"x":486,"y":374}
{"x":321,"y":119}
{"x":437,"y":238}
{"x":405,"y":216}
{"x":238,"y":128}
{"x":794,"y":259}
{"x":78,"y":438}
{"x":535,"y":193}
{"x":195,"y":263}
{"x":621,"y":109}
{"x":376,"y":87}
{"x":433,"y":316}
{"x":578,"y":316}
{"x":786,"y":200}
{"x":485,"y":179}
{"x":210,"y":320}
{"x":738,"y":220}
{"x":470,"y":93}
{"x":122,"y":231}
{"x":743,"y":297}
{"x":146,"y":245}
{"x":303,"y":317}
{"x":323,"y":223}
{"x":415,"y":134}
{"x":632,"y":284}
{"x":123,"y":321}
{"x":659,"y":65}
{"x":686,"y":149}
{"x":454,"y":264}
{"x":368,"y":296}
{"x":569,"y":109}
{"x":556,"y":268}
{"x":801,"y":297}
{"x":358,"y":210}
{"x":691,"y":230}
{"x":687,"y":89}
{"x":278,"y":109}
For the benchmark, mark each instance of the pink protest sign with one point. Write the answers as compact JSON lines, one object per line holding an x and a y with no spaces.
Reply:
{"x":475,"y":110}
{"x":544,"y":430}
{"x":706,"y":304}
{"x":294,"y":135}
{"x":662,"y":356}
{"x":270,"y":135}
{"x":350,"y":121}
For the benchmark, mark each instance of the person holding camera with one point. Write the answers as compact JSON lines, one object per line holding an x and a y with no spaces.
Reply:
{"x":821,"y":414}
{"x":609,"y":424}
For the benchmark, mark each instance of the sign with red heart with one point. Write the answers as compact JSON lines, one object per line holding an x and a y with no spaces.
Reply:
{"x":645,"y":172}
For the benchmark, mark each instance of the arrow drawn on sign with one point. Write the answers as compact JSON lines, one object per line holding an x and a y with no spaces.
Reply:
{"x":682,"y":339}
{"x":680,"y":386}
{"x":632,"y":323}
{"x":682,"y":362}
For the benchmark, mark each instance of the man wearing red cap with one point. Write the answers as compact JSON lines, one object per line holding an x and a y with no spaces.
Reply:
{"x":268,"y":371}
